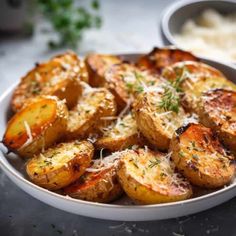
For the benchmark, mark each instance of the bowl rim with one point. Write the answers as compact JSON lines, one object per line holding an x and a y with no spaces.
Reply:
{"x":8,"y":168}
{"x":172,"y":8}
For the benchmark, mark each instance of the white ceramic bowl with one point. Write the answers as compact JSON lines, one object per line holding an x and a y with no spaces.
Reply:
{"x":14,"y":169}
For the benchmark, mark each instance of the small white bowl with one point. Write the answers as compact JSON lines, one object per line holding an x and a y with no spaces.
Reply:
{"x":179,"y":12}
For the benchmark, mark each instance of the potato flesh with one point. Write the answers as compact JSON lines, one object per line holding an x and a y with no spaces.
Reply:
{"x":101,"y":186}
{"x":197,"y":78}
{"x":156,"y":124}
{"x":217,"y":110}
{"x":199,"y":155}
{"x":37,"y":126}
{"x":59,"y":166}
{"x":59,"y":76}
{"x":38,"y":116}
{"x":97,"y":64}
{"x":149,"y":177}
{"x":125,"y":81}
{"x":86,"y":116}
{"x":122,"y":134}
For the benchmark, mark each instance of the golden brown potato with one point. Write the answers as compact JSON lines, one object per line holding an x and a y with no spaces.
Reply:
{"x":97,"y":64}
{"x":121,"y":134}
{"x":198,"y":154}
{"x":60,"y":166}
{"x":153,"y":121}
{"x":37,"y":126}
{"x":85,"y":118}
{"x":159,"y":58}
{"x":126,"y":81}
{"x":217,"y":110}
{"x":59,"y":76}
{"x":196,"y":78}
{"x":101,"y":186}
{"x":148,"y":177}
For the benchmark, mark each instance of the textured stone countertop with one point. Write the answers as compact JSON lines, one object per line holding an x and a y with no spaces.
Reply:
{"x":129,"y":26}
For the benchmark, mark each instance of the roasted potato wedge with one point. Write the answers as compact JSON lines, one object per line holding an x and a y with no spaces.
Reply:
{"x":217,"y":110}
{"x":126,"y":81}
{"x":196,"y":78}
{"x":159,"y":58}
{"x":37,"y":126}
{"x":59,"y":76}
{"x":198,"y":154}
{"x":156,"y":124}
{"x":85,"y":118}
{"x":102,"y":186}
{"x":59,"y":166}
{"x":148,"y":177}
{"x":121,"y":134}
{"x":97,"y":64}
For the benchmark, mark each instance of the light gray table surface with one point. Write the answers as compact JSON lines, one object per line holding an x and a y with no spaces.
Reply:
{"x":129,"y":26}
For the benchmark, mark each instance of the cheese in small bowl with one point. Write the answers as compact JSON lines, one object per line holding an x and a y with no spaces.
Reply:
{"x":211,"y":34}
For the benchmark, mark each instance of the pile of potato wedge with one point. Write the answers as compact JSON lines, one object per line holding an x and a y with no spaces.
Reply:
{"x":100,"y":127}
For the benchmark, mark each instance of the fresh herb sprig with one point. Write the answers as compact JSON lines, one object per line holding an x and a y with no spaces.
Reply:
{"x":69,"y":21}
{"x":170,"y":98}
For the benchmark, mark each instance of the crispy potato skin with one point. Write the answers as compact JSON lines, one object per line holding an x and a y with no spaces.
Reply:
{"x":198,"y":154}
{"x":56,"y":77}
{"x":217,"y":110}
{"x":102,"y":186}
{"x":46,"y":117}
{"x":159,"y":58}
{"x":125,"y":81}
{"x":85,"y":118}
{"x":147,"y":183}
{"x":50,"y":172}
{"x":97,"y":64}
{"x":197,"y":78}
{"x":152,"y":123}
{"x":120,"y":135}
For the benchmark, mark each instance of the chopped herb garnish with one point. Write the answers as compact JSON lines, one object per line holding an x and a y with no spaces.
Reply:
{"x":181,"y":153}
{"x":163,"y":174}
{"x":170,"y":100}
{"x":139,"y":89}
{"x":154,"y":163}
{"x":129,"y":86}
{"x":195,"y":156}
{"x":135,"y":162}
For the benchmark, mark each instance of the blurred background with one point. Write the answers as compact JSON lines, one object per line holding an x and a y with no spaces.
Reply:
{"x":33,"y":30}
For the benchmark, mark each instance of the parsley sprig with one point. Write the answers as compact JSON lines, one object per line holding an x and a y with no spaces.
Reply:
{"x":69,"y":20}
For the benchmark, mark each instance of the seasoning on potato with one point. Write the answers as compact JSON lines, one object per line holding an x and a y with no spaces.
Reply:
{"x":148,"y":177}
{"x":61,"y":165}
{"x":198,"y":154}
{"x":97,"y":64}
{"x":196,"y":78}
{"x":121,"y":134}
{"x":59,"y":77}
{"x":85,"y":117}
{"x":217,"y":110}
{"x":158,"y":114}
{"x":101,"y":186}
{"x":37,"y":126}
